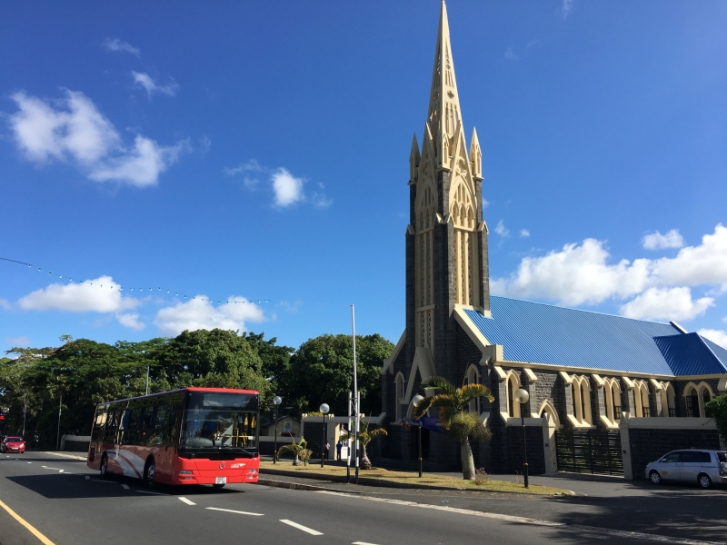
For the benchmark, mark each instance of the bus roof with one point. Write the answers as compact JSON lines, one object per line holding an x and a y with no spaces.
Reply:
{"x":189,"y":389}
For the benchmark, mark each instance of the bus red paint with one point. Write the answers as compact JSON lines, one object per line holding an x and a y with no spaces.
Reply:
{"x":188,"y":436}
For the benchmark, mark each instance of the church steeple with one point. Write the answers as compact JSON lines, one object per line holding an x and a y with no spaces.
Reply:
{"x":444,"y":112}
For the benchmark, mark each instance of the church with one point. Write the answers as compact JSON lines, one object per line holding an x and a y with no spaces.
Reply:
{"x":607,"y":394}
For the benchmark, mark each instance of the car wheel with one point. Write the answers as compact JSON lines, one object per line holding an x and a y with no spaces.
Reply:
{"x":654,"y":477}
{"x":104,"y":467}
{"x":704,"y":480}
{"x":150,"y":473}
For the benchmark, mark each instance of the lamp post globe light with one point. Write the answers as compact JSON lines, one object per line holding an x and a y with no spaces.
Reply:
{"x":522,"y":396}
{"x":324,"y":408}
{"x":277,"y":400}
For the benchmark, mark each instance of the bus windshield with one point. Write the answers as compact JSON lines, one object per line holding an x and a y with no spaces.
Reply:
{"x":219,"y":423}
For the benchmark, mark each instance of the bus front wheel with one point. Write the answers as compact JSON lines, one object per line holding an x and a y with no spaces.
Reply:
{"x":150,"y":473}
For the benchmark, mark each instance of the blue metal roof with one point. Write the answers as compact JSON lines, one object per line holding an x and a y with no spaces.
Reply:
{"x":539,"y":333}
{"x":691,"y":355}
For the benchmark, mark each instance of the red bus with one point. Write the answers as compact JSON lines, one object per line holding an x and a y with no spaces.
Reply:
{"x":189,"y":436}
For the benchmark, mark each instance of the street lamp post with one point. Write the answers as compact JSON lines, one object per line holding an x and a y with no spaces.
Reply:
{"x":522,"y":396}
{"x":277,"y":400}
{"x":324,"y":409}
{"x":415,"y":400}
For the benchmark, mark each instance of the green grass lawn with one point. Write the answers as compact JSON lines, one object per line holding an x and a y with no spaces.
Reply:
{"x":442,"y":481}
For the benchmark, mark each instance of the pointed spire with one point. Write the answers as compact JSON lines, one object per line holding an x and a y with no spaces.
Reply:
{"x":476,"y":156}
{"x":444,"y":110}
{"x":414,"y":159}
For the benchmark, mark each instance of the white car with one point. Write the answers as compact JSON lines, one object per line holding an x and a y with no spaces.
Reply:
{"x":704,"y":467}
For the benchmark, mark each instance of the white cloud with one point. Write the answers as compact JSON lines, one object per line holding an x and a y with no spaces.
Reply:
{"x":694,"y":265}
{"x":575,"y":275}
{"x":76,"y":131}
{"x":114,"y":44}
{"x":581,"y":274}
{"x":485,"y":203}
{"x":510,"y":54}
{"x":199,"y":313}
{"x":566,"y":8}
{"x":524,"y":233}
{"x":18,"y":341}
{"x":320,"y":199}
{"x":288,"y":189}
{"x":501,"y":229}
{"x":5,"y":304}
{"x":251,"y":166}
{"x":145,"y":81}
{"x":715,"y":335}
{"x":131,"y":321}
{"x":666,"y":304}
{"x":99,"y":295}
{"x":657,"y":241}
{"x":142,"y":165}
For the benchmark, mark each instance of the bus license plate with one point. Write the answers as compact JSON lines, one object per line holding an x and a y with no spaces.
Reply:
{"x":220,"y":480}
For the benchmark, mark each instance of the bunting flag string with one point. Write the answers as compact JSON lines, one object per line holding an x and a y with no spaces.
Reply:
{"x":159,"y":289}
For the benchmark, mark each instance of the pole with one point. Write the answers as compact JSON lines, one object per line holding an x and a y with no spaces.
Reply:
{"x":525,"y":449}
{"x":356,"y":408}
{"x":323,"y":438}
{"x":348,"y":442}
{"x":58,"y":433}
{"x":275,"y":444}
{"x":420,"y":447}
{"x":147,"y":381}
{"x":25,"y":411}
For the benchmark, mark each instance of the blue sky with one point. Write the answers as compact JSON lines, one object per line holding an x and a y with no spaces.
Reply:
{"x":258,"y":151}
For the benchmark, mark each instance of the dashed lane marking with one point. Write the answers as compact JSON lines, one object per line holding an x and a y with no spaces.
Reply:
{"x":53,"y":468}
{"x":362,"y":543}
{"x":237,"y":512}
{"x":27,"y":525}
{"x":538,"y":522}
{"x":185,"y":500}
{"x":72,"y":456}
{"x":125,"y":486}
{"x":311,"y":531}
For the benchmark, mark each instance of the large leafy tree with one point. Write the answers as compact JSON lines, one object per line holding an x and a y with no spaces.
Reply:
{"x":717,"y":409}
{"x":453,"y":404}
{"x":321,"y":370}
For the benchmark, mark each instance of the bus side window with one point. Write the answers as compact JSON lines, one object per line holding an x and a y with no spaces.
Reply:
{"x":161,"y":424}
{"x":99,"y":423}
{"x":112,"y":426}
{"x":174,"y":424}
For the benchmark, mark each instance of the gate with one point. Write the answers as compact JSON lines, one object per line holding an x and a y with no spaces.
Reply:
{"x":591,"y":451}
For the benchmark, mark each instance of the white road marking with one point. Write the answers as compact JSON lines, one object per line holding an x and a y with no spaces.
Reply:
{"x":30,"y":462}
{"x":73,"y":456}
{"x":238,"y":512}
{"x":185,"y":500}
{"x":362,"y":543}
{"x":311,"y":531}
{"x":125,"y":486}
{"x":60,"y":471}
{"x":525,"y":520}
{"x":52,"y":468}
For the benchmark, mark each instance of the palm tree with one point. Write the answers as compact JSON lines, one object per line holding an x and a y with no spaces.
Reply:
{"x":299,"y":450}
{"x":453,"y":404}
{"x":365,"y":437}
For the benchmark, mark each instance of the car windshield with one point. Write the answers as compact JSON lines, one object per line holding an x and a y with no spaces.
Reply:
{"x":13,"y":439}
{"x":722,"y":457}
{"x":220,"y":421}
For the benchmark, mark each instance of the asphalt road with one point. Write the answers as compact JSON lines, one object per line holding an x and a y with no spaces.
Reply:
{"x":68,"y":504}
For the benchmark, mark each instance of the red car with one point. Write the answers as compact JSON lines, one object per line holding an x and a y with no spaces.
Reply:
{"x":13,"y":444}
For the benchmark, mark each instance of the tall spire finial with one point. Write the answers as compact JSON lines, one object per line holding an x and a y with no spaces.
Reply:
{"x":444,"y":110}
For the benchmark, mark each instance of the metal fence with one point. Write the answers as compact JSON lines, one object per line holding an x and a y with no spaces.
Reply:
{"x":591,"y":451}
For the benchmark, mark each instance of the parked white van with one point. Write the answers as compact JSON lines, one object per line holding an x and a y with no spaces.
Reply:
{"x":704,"y":467}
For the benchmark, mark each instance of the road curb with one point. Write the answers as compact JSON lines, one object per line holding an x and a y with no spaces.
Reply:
{"x":364,"y":481}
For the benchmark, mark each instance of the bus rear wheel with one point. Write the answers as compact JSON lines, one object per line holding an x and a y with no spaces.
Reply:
{"x":150,"y":473}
